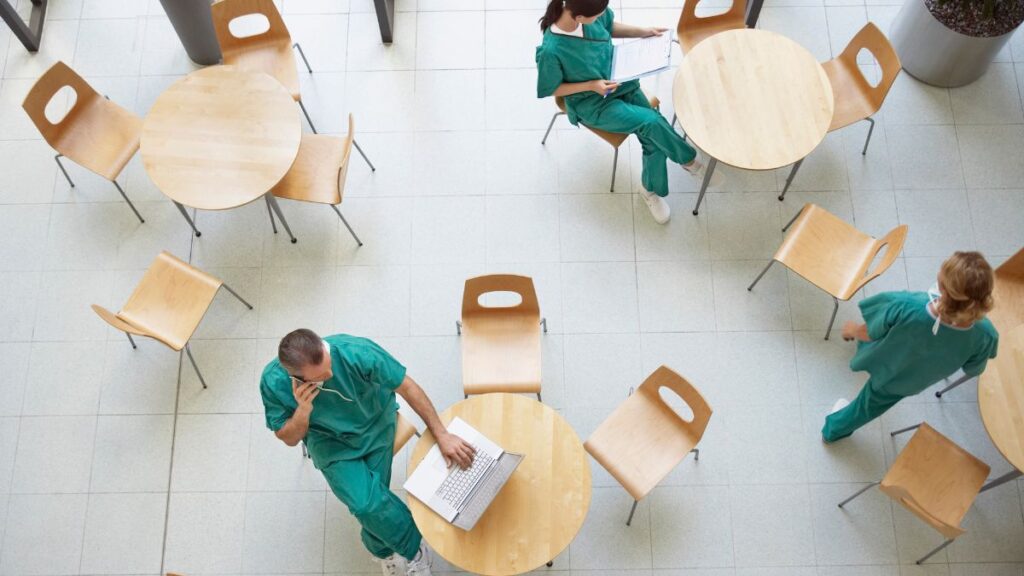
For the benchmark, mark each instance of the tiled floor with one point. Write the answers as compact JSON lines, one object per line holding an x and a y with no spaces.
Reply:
{"x":114,"y":461}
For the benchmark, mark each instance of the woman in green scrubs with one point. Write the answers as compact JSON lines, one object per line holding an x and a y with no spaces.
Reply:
{"x":910,"y":340}
{"x":574,"y":61}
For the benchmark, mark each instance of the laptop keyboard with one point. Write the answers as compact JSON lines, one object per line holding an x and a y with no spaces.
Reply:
{"x":459,"y":483}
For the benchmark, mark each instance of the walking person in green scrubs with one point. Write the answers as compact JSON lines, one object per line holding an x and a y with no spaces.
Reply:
{"x":574,"y":60}
{"x":338,"y":395}
{"x":910,"y":340}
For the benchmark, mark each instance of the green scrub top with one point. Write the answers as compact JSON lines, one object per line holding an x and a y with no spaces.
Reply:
{"x":904,"y":357}
{"x":338,"y":429}
{"x":561,"y":58}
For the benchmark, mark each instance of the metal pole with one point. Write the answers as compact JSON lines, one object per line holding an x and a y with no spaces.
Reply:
{"x":704,"y":185}
{"x":277,"y":210}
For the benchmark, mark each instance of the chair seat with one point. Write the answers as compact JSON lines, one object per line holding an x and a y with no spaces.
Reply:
{"x":314,"y":175}
{"x":274,"y":57}
{"x":170,"y":301}
{"x":105,"y":138}
{"x":641,"y":442}
{"x":826,"y":251}
{"x":850,"y":92}
{"x":404,"y":430}
{"x":614,"y":138}
{"x":501,"y":353}
{"x":941,"y":479}
{"x":695,"y":34}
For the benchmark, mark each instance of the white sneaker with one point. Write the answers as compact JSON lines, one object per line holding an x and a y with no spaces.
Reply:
{"x":697,"y":169}
{"x":420,"y":565}
{"x":393,"y":565}
{"x":657,"y":205}
{"x":839,"y":405}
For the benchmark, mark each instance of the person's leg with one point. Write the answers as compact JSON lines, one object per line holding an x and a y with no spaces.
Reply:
{"x":632,"y":113}
{"x":868,"y":405}
{"x":362,"y":485}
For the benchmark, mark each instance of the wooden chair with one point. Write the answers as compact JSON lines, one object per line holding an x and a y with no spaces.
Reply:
{"x":855,"y":98}
{"x":96,"y":133}
{"x":500,"y":344}
{"x":168,"y":304}
{"x":1008,"y":312}
{"x":833,"y":255}
{"x":645,"y":438}
{"x":692,"y":28}
{"x":614,"y":138}
{"x":318,"y":174}
{"x":935,"y":480}
{"x":404,"y":431}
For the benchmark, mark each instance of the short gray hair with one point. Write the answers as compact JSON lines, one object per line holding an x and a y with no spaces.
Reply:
{"x":300,"y":348}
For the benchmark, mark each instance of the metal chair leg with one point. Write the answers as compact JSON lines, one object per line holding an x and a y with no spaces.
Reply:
{"x":789,"y":179}
{"x":544,"y":324}
{"x":131,"y":341}
{"x":1008,"y":477}
{"x":832,"y":320}
{"x":270,"y":212}
{"x":615,"y":167}
{"x":868,"y":140}
{"x":708,"y":171}
{"x":935,"y":551}
{"x":790,"y":223}
{"x":859,"y":492}
{"x":363,"y":154}
{"x":696,"y":454}
{"x":550,"y":125}
{"x":61,"y":166}
{"x":629,"y":520}
{"x":902,"y":430}
{"x":188,"y":219}
{"x":758,"y":279}
{"x":458,"y":327}
{"x":130,"y":205}
{"x":345,"y":222}
{"x":538,"y":397}
{"x":303,"y":54}
{"x":277,"y":210}
{"x":306,"y":114}
{"x":958,"y":382}
{"x":188,"y":351}
{"x":235,"y":294}
{"x":305,"y":452}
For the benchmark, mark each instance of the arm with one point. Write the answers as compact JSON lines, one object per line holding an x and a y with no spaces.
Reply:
{"x":452,"y":447}
{"x":854,"y":331}
{"x":295,"y":428}
{"x":620,"y":30}
{"x":600,"y":86}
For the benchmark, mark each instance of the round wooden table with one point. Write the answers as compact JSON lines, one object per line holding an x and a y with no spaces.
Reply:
{"x":752,"y":99}
{"x":540,"y":509}
{"x":1001,"y":402}
{"x":220,"y":138}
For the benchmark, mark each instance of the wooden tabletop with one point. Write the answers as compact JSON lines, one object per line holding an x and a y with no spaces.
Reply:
{"x":753,"y":99}
{"x":540,"y":509}
{"x":1001,"y":397}
{"x":220,"y":137}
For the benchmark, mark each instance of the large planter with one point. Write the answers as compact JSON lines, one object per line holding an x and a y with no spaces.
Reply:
{"x":937,"y":55}
{"x":193,"y":23}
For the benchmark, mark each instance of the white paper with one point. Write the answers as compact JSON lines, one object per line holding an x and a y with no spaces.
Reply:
{"x":641,"y":57}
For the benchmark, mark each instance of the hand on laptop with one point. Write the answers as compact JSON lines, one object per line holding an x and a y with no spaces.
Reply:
{"x":455,"y":450}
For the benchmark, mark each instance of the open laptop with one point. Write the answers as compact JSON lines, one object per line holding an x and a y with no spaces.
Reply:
{"x":461,"y":496}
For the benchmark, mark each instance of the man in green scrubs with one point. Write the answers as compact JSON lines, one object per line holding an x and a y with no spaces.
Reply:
{"x":576,"y":61}
{"x":905,"y":349}
{"x":350,"y":429}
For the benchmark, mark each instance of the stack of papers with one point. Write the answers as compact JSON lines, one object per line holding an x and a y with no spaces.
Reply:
{"x":641,"y":57}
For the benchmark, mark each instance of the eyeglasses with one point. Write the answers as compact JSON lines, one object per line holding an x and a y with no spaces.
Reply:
{"x":320,"y":386}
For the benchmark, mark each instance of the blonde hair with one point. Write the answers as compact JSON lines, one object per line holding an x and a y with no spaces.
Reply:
{"x":965,"y":280}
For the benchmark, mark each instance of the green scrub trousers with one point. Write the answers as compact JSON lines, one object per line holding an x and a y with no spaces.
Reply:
{"x":904,"y":356}
{"x":364,"y":487}
{"x":570,"y":59}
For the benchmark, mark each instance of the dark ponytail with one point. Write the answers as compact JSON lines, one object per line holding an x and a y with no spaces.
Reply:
{"x":585,"y":8}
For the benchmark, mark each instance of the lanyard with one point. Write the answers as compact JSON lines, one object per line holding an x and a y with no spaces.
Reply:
{"x":933,"y":297}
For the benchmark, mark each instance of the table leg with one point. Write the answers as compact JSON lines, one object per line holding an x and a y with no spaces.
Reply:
{"x":1008,"y":477}
{"x":385,"y":19}
{"x":280,"y":216}
{"x":753,"y":12}
{"x":704,"y":185}
{"x":188,"y":219}
{"x":31,"y":34}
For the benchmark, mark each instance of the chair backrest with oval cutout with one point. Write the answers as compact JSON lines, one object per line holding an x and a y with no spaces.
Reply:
{"x":521,"y":285}
{"x":59,"y":75}
{"x":226,"y":11}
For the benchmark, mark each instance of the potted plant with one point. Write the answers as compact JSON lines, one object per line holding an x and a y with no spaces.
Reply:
{"x":951,"y":42}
